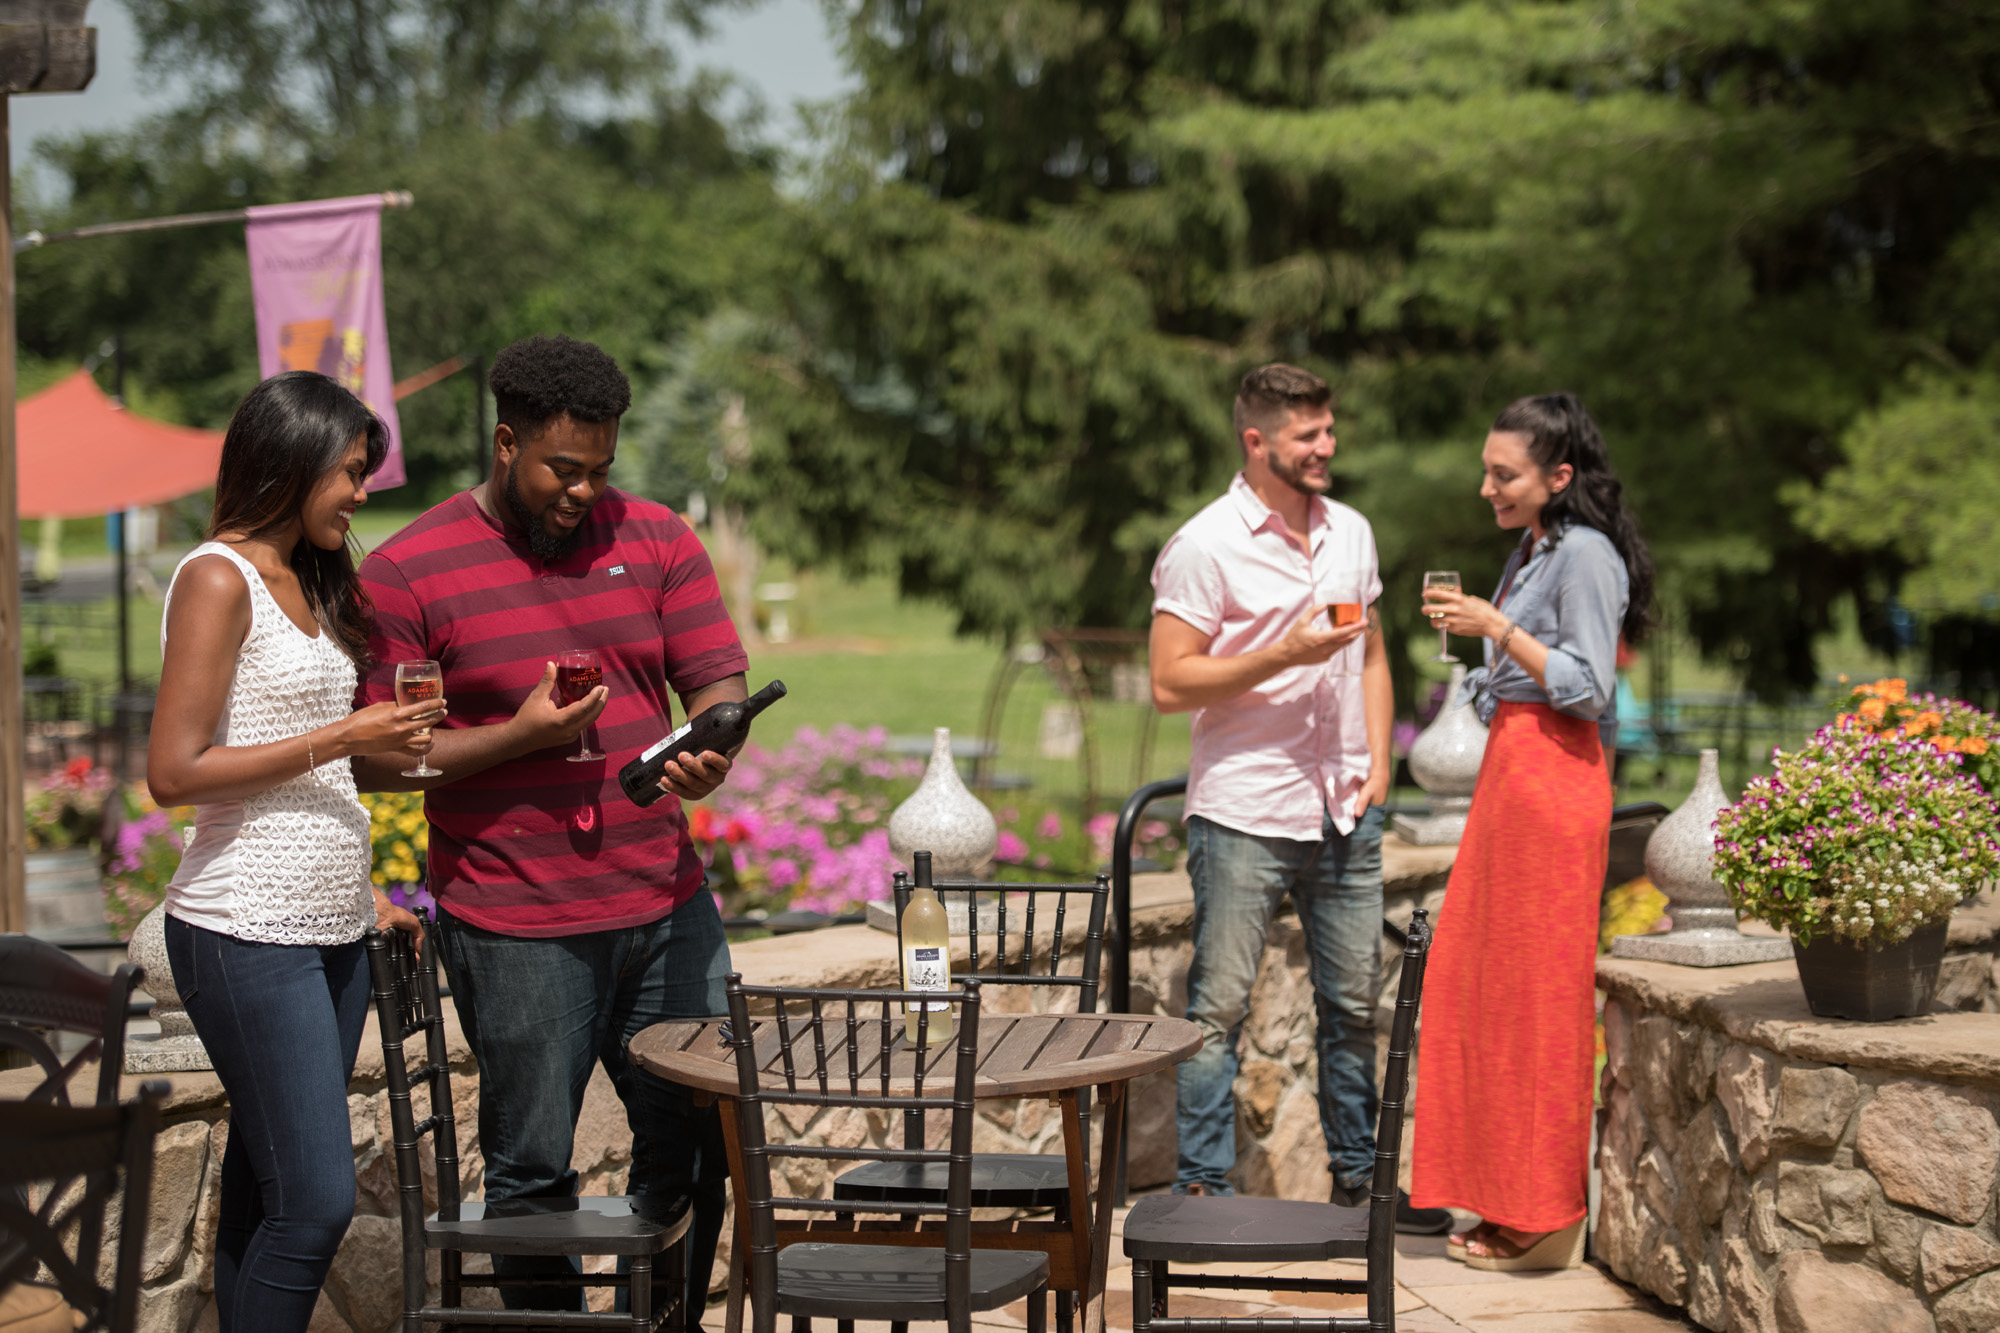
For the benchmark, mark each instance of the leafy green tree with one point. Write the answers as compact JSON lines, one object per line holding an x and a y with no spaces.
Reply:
{"x":529,"y":218}
{"x":1059,"y":229}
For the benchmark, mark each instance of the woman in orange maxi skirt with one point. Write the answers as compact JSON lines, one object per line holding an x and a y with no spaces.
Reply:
{"x":1503,"y":1101}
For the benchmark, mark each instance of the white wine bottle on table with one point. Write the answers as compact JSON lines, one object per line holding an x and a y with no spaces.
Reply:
{"x":926,"y":957}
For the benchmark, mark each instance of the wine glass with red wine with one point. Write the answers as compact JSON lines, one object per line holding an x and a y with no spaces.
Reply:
{"x":416,"y":682}
{"x":578,"y":672}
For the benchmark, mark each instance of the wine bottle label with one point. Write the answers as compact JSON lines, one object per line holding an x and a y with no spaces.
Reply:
{"x":926,"y":969}
{"x":661,"y":745}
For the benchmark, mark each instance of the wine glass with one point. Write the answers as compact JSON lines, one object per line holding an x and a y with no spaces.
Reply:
{"x":578,"y":672}
{"x":416,"y":682}
{"x":1446,"y":579}
{"x":1346,"y":607}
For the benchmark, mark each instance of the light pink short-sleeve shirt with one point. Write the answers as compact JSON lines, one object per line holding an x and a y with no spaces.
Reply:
{"x":1272,"y":759}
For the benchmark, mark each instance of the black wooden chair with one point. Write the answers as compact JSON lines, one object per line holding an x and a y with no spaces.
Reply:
{"x":1005,"y":1180}
{"x":44,"y":990}
{"x":406,"y":1004}
{"x":58,"y":1175}
{"x":869,"y":1273}
{"x":1166,"y":1229}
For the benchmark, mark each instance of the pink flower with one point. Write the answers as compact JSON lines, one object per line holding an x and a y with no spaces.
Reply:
{"x":1010,"y":850}
{"x":1051,"y":826}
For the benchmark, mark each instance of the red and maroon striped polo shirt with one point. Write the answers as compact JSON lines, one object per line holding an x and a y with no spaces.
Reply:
{"x":540,"y":846}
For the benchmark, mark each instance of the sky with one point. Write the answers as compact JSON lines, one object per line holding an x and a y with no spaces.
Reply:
{"x":781,"y":48}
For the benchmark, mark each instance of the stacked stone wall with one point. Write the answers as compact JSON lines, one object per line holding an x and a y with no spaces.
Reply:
{"x":1767,"y":1191}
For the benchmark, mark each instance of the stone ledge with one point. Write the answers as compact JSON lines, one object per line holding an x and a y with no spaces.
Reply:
{"x":1762,"y":1004}
{"x":196,"y":1091}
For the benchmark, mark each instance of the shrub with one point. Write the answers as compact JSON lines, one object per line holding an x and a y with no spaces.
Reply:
{"x":1886,"y":708}
{"x":65,"y":809}
{"x":142,"y":861}
{"x":806,"y":826}
{"x":1860,"y":835}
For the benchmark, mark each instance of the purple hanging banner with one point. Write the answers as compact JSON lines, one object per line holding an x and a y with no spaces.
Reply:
{"x":316,"y":279}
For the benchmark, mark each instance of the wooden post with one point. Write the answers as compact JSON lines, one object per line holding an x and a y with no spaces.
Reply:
{"x":43,"y":49}
{"x":13,"y":754}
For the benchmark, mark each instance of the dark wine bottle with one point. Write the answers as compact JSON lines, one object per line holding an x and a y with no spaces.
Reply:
{"x":721,"y":728}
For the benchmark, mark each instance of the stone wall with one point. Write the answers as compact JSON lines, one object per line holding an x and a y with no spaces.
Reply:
{"x":1279,"y":1151}
{"x":1775,"y":1173}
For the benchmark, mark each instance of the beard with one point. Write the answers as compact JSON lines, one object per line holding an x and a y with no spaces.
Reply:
{"x":1293,"y":475}
{"x":545,"y":544}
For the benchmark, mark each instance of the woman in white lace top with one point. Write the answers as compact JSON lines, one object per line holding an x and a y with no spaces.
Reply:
{"x":263,"y":631}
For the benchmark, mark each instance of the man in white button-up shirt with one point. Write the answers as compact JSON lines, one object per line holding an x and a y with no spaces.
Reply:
{"x":1260,"y":628}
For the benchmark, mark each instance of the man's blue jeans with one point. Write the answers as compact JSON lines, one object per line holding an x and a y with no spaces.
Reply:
{"x":538,"y":1014}
{"x":1336,"y":886}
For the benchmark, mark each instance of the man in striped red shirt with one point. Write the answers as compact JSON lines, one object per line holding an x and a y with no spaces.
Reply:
{"x":568,"y":918}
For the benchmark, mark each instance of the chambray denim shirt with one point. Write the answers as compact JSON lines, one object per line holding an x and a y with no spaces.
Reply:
{"x":1569,"y":592}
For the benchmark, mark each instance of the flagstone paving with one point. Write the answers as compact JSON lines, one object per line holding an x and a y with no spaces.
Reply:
{"x":1433,"y":1295}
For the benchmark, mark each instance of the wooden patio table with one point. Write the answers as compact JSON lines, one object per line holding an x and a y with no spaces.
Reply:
{"x":1020,"y":1055}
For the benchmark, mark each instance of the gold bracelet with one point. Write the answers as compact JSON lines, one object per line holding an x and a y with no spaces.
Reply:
{"x":1500,"y":645}
{"x":310,"y":765}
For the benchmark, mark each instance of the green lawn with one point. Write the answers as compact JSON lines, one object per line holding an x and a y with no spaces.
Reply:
{"x":862,"y":657}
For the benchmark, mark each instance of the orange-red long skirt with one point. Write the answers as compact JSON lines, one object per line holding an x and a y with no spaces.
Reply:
{"x":1504,"y":1066}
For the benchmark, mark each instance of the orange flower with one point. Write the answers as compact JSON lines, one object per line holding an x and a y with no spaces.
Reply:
{"x":1895,"y":691}
{"x":1973,"y":745}
{"x":1945,"y":744}
{"x":1872,"y":709}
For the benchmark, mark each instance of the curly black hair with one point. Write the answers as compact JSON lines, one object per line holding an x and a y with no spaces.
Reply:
{"x":538,"y":379}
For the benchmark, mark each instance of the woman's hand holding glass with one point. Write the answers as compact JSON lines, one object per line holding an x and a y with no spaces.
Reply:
{"x":383,"y":728}
{"x":1456,"y":612}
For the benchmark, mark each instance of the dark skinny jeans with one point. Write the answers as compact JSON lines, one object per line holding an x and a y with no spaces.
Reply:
{"x":282,"y":1022}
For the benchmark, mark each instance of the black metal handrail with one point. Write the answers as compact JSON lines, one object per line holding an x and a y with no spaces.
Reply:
{"x":1118,"y":951}
{"x":1120,"y":944}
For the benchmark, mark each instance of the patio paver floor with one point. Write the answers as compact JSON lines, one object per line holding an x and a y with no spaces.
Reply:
{"x":1433,"y":1295}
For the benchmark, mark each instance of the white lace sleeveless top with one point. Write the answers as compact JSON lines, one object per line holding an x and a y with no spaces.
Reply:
{"x":290,"y":864}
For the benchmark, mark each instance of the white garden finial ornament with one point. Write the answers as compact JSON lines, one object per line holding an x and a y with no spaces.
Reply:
{"x":1445,"y":763}
{"x":177,"y":1049}
{"x":943,"y":818}
{"x":1680,"y":860}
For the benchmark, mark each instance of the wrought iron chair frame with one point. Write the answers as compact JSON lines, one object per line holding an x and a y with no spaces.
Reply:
{"x":1012,"y":1274}
{"x":408,"y":1002}
{"x":1164,"y":1229}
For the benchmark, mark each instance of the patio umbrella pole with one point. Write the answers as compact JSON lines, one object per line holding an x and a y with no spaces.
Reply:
{"x":124,"y":540}
{"x":13,"y":748}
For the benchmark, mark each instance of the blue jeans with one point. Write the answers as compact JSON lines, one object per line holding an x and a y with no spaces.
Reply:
{"x":281,"y":1023}
{"x":1336,"y":886}
{"x":539,"y":1014}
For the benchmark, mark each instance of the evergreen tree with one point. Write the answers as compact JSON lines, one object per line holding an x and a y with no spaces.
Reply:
{"x":1060,"y":229}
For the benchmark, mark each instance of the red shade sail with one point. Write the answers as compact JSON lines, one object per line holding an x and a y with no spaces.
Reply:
{"x":82,"y":454}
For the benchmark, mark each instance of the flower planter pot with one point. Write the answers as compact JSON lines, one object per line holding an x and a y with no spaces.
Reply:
{"x":65,"y":897}
{"x":1871,"y":983}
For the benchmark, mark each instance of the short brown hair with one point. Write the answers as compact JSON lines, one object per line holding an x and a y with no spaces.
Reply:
{"x":1277,"y":388}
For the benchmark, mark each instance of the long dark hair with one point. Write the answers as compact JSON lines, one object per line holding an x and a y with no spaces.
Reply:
{"x":1559,"y":431}
{"x":285,"y":438}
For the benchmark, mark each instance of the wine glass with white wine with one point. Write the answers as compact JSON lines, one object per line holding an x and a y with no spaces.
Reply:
{"x":1446,"y":579}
